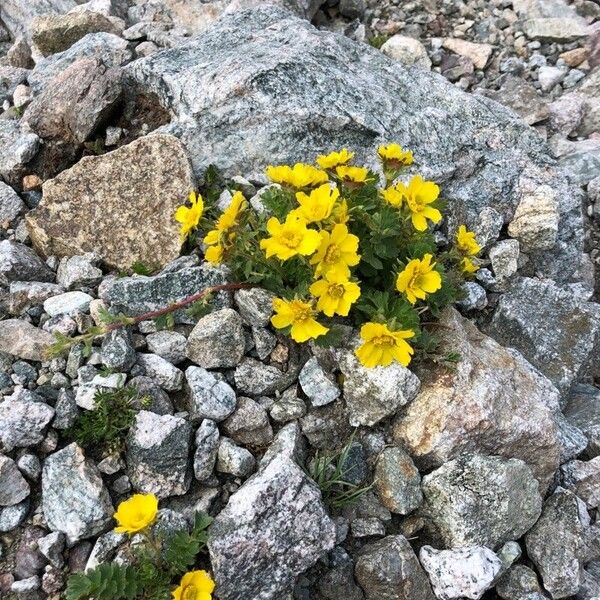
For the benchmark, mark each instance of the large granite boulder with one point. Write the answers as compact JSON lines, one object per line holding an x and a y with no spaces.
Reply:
{"x":120,"y":205}
{"x":492,"y":402}
{"x":263,"y":86}
{"x":17,"y":15}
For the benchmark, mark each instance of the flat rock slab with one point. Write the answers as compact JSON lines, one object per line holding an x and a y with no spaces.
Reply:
{"x":119,"y":205}
{"x":22,"y":339}
{"x":263,"y":87}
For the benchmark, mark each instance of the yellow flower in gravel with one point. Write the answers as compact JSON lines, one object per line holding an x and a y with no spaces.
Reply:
{"x":299,"y":176}
{"x":195,"y":585}
{"x":290,"y":238}
{"x":419,"y":279}
{"x":189,"y":216}
{"x":468,"y":266}
{"x":319,"y":204}
{"x":137,"y":513}
{"x":352,"y":174}
{"x":381,"y":346}
{"x":335,"y":294}
{"x":466,"y":242}
{"x":419,"y":195}
{"x":300,"y":316}
{"x":393,"y":196}
{"x":216,"y":238}
{"x":395,"y":156}
{"x":334,"y":159}
{"x":337,"y":252}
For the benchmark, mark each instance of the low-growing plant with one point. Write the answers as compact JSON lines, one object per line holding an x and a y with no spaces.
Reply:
{"x":159,"y":563}
{"x":104,"y":428}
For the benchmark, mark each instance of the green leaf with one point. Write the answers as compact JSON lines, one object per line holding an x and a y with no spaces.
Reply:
{"x":108,"y":581}
{"x":183,"y":547}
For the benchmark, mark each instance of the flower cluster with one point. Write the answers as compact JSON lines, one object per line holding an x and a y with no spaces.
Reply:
{"x":338,"y":241}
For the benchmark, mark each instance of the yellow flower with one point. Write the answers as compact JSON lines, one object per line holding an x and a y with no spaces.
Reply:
{"x":216,"y":238}
{"x":334,"y":159}
{"x":189,"y":216}
{"x":468,"y":266}
{"x":466,"y":242}
{"x":337,"y":252}
{"x":319,"y":204}
{"x":419,"y":279}
{"x":393,"y":196}
{"x":335,"y":294}
{"x":395,"y":156}
{"x":137,"y":513}
{"x":341,"y":213}
{"x":299,"y":176}
{"x":381,"y":346}
{"x":300,"y":315}
{"x":419,"y":194}
{"x":195,"y":585}
{"x":352,"y":174}
{"x":290,"y":238}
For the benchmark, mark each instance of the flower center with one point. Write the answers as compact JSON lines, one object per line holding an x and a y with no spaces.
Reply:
{"x":190,"y":592}
{"x":332,"y":254}
{"x":336,"y":290}
{"x":291,"y":239}
{"x":303,"y":314}
{"x":415,"y":280}
{"x":384,"y":340}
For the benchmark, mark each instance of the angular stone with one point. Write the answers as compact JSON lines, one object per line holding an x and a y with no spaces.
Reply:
{"x":13,"y":487}
{"x":18,"y":146}
{"x":207,"y":448}
{"x":374,"y":394}
{"x":319,"y":386}
{"x":234,"y":460}
{"x":472,"y":500}
{"x":554,"y":329}
{"x":504,"y":256}
{"x":139,"y":187}
{"x":13,"y":516}
{"x":118,"y":353}
{"x":560,"y":558}
{"x":583,"y":411}
{"x":19,"y":263}
{"x":272,"y":529}
{"x":23,"y":423}
{"x":461,"y":573}
{"x":519,"y":583}
{"x":56,"y":33}
{"x":18,"y":15}
{"x":256,"y":100}
{"x":254,"y":378}
{"x":169,"y":377}
{"x":583,"y":479}
{"x":74,"y":498}
{"x":68,"y":303}
{"x":397,"y":481}
{"x":11,"y":205}
{"x":217,"y":340}
{"x":555,"y":29}
{"x":389,"y":570}
{"x":52,"y":546}
{"x":208,"y":396}
{"x":75,"y":103}
{"x":255,"y":306}
{"x":78,"y":271}
{"x":407,"y":50}
{"x":326,"y":426}
{"x":25,"y":294}
{"x":22,"y":339}
{"x":158,"y":454}
{"x":492,"y":402}
{"x":10,"y":79}
{"x":170,"y":345}
{"x":478,"y":54}
{"x":110,"y":49}
{"x":249,"y":425}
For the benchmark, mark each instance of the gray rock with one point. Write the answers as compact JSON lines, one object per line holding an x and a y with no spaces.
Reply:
{"x":559,"y":558}
{"x":68,"y":303}
{"x":288,"y":408}
{"x":139,"y":187}
{"x":319,"y":386}
{"x":11,"y":205}
{"x":273,"y":528}
{"x":55,"y":33}
{"x":552,"y":327}
{"x":519,"y":583}
{"x":30,"y":466}
{"x":471,"y":501}
{"x":374,"y":394}
{"x":504,"y":257}
{"x":17,"y":15}
{"x":397,"y":481}
{"x":407,"y":50}
{"x":493,"y":402}
{"x":25,"y":294}
{"x":254,"y":378}
{"x":233,"y":459}
{"x":170,"y":345}
{"x":78,"y":271}
{"x":74,"y":498}
{"x":52,"y":546}
{"x":75,"y":103}
{"x":249,"y":425}
{"x":580,"y":160}
{"x":255,"y":306}
{"x":169,"y":377}
{"x":289,"y":442}
{"x":326,"y":426}
{"x":217,"y":340}
{"x":572,"y":439}
{"x":389,"y":570}
{"x":264,"y":342}
{"x":461,"y":573}
{"x":13,"y":516}
{"x":105,"y":548}
{"x":13,"y":487}
{"x":208,"y":396}
{"x":158,"y":454}
{"x":256,"y":103}
{"x":23,"y":423}
{"x":549,"y":77}
{"x":583,"y":479}
{"x":20,"y":263}
{"x":475,"y":296}
{"x":118,"y":353}
{"x":555,"y":29}
{"x":85,"y":396}
{"x":66,"y":410}
{"x":18,"y":146}
{"x":27,"y":587}
{"x":207,"y":448}
{"x":108,"y":48}
{"x":136,"y":295}
{"x":10,"y":79}
{"x":151,"y":396}
{"x":20,"y":338}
